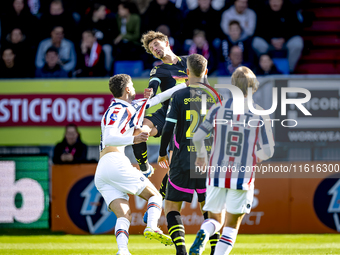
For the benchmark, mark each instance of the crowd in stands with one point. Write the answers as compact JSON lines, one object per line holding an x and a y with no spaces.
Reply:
{"x":84,"y":38}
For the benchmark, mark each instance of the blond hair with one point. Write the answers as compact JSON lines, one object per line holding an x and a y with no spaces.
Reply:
{"x":148,"y":37}
{"x":244,"y":78}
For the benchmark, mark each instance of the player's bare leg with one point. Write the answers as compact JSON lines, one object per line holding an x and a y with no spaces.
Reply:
{"x":209,"y":230}
{"x":140,"y":150}
{"x":151,"y":194}
{"x":121,"y":209}
{"x":213,"y":239}
{"x":147,"y":122}
{"x":229,"y":234}
{"x":175,"y":225}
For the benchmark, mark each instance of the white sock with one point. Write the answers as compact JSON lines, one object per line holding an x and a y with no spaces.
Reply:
{"x":122,"y":232}
{"x":211,"y":226}
{"x":226,"y":242}
{"x":154,"y":211}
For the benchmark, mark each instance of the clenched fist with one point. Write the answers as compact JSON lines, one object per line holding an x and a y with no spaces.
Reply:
{"x":142,"y":137}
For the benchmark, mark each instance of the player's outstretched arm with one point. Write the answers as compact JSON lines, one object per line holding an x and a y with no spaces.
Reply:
{"x":161,"y":97}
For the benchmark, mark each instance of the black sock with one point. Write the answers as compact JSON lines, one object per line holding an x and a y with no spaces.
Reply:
{"x":205,"y":215}
{"x":162,"y":189}
{"x":176,"y":231}
{"x":213,"y":239}
{"x":141,"y":154}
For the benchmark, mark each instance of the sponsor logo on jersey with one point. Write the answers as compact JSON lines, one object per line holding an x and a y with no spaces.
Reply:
{"x":153,"y":71}
{"x":113,"y":117}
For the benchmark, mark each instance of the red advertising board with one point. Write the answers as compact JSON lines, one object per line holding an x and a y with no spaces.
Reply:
{"x":53,"y":109}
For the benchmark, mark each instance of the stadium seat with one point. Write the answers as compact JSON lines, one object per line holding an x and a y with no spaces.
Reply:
{"x":325,"y":1}
{"x":324,"y":26}
{"x":323,"y":54}
{"x":316,"y":68}
{"x":282,"y":65}
{"x":329,"y":40}
{"x":326,"y":12}
{"x":132,"y":68}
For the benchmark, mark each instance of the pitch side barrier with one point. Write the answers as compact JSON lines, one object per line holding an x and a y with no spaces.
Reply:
{"x":301,"y":206}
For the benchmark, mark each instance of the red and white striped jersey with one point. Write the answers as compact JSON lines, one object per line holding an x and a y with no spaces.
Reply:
{"x":235,"y":145}
{"x":121,"y":119}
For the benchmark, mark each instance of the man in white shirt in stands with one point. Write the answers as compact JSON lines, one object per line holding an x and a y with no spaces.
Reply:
{"x":240,"y":12}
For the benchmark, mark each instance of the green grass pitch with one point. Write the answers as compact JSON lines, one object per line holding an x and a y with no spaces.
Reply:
{"x":138,"y":245}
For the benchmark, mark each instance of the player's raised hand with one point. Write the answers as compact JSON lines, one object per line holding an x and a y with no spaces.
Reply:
{"x":201,"y":163}
{"x":142,"y":137}
{"x":163,"y":162}
{"x":148,"y":92}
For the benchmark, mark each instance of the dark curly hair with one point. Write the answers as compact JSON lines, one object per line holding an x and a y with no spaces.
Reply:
{"x":150,"y":36}
{"x":117,"y":84}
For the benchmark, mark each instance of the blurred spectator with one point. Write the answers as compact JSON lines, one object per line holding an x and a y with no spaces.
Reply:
{"x":66,"y":49}
{"x":266,"y":66}
{"x":240,"y":12}
{"x":236,"y":37}
{"x":76,"y":7}
{"x":205,"y":18}
{"x":71,"y":149}
{"x":189,"y":5}
{"x":127,"y":42}
{"x":57,"y":16}
{"x":34,"y":6}
{"x":163,"y":12}
{"x":52,"y":68}
{"x":91,"y":61}
{"x":142,"y":5}
{"x":17,"y":41}
{"x":18,"y":16}
{"x":277,"y":30}
{"x":104,"y":25}
{"x":234,"y":61}
{"x":175,"y":45}
{"x":201,"y":46}
{"x":9,"y":67}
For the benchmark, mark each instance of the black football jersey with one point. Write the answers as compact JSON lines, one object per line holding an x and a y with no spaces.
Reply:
{"x":185,"y":110}
{"x":168,"y":75}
